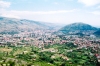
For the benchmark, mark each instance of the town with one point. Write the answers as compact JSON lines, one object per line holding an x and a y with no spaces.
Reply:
{"x":42,"y":38}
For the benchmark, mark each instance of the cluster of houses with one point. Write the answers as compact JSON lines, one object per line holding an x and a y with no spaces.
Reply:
{"x":40,"y":38}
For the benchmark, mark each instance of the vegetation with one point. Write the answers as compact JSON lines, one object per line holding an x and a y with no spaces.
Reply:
{"x":52,"y":55}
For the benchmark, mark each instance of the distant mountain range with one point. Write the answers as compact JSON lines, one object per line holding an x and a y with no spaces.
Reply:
{"x":12,"y":25}
{"x":77,"y":28}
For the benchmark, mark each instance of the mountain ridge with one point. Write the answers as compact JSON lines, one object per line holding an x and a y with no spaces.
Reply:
{"x":78,"y":27}
{"x":18,"y":25}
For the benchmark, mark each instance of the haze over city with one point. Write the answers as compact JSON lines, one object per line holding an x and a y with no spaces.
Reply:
{"x":53,"y":11}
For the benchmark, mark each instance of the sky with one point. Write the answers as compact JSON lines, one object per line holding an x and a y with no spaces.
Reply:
{"x":53,"y":11}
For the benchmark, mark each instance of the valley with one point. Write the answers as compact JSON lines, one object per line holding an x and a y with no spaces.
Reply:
{"x":31,"y":43}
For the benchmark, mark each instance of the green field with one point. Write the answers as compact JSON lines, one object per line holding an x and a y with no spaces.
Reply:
{"x":51,"y":55}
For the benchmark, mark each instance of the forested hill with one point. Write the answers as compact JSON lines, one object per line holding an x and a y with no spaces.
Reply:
{"x":77,"y":27}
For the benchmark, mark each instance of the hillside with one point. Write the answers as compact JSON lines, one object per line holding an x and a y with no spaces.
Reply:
{"x":17,"y":25}
{"x":77,"y":28}
{"x":97,"y":32}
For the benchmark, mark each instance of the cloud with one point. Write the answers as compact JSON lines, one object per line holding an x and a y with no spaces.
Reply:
{"x":10,"y":16}
{"x":98,"y":7}
{"x":43,"y":12}
{"x":89,"y":2}
{"x":4,"y":4}
{"x":17,"y":14}
{"x":95,"y":12}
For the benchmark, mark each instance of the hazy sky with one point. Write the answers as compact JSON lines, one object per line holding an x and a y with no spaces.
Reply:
{"x":55,"y":11}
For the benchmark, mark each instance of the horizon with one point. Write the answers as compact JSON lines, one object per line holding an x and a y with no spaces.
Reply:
{"x":53,"y":11}
{"x":58,"y":24}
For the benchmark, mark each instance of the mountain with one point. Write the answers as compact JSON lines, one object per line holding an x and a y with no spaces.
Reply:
{"x":77,"y":28}
{"x":97,"y":33}
{"x":13,"y":25}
